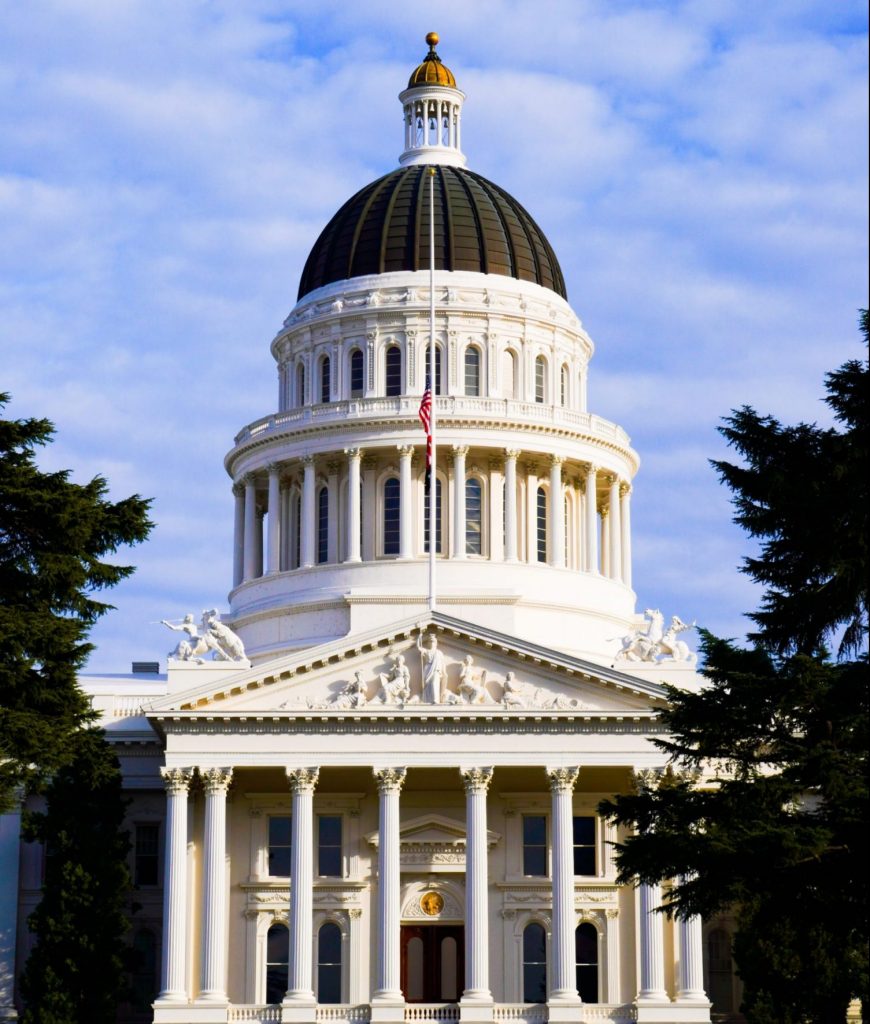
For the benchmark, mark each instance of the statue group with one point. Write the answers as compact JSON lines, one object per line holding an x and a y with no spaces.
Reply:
{"x":652,"y":642}
{"x":216,"y":639}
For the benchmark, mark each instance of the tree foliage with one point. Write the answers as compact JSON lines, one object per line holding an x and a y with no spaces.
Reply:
{"x":76,"y":971}
{"x":763,"y":809}
{"x":54,"y":536}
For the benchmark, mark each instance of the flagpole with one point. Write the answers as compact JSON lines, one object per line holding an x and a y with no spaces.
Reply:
{"x":433,"y":479}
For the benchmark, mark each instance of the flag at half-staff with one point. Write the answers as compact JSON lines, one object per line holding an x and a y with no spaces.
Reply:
{"x":425,"y":415}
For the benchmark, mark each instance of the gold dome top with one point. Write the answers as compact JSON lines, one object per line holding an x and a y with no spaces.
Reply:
{"x":432,"y":71}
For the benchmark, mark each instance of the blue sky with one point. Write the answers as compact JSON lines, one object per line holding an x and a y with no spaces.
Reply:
{"x":700,"y":168}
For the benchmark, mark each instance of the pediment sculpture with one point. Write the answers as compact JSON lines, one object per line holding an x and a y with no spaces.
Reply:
{"x":652,"y":642}
{"x":216,"y":641}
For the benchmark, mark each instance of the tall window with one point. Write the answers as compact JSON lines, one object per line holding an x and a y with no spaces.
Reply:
{"x":437,"y":519}
{"x":473,"y":517}
{"x":279,"y":846}
{"x":584,"y":846}
{"x":472,"y":371}
{"x":392,"y":515}
{"x":357,"y":386}
{"x":145,"y":871}
{"x":540,"y":379}
{"x":322,"y":525}
{"x":563,"y":391}
{"x":325,"y":378}
{"x":534,"y":845}
{"x":329,"y":963}
{"x":534,"y":964}
{"x":586,"y":945}
{"x":300,"y":384}
{"x":509,"y":374}
{"x":542,"y":525}
{"x":393,"y":365}
{"x":277,"y":960}
{"x":438,"y":361}
{"x":144,"y":975}
{"x":297,"y":531}
{"x":329,"y":845}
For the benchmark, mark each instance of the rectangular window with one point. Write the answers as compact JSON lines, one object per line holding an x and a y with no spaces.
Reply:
{"x":534,"y":845}
{"x":584,"y":846}
{"x":279,"y":846}
{"x":146,"y":867}
{"x":437,"y":518}
{"x":356,"y":374}
{"x":329,"y":846}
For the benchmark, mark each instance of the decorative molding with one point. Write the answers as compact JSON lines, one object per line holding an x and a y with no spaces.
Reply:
{"x":176,"y":780}
{"x":302,"y":780}
{"x":562,"y":780}
{"x":216,"y":780}
{"x":476,"y":780}
{"x":389,"y":780}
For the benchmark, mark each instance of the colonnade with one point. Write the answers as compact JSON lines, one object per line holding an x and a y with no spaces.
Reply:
{"x":594,"y":538}
{"x":387,"y":992}
{"x":419,"y":132}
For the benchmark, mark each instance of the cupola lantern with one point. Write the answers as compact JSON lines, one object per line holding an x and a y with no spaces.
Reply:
{"x":432,"y":106}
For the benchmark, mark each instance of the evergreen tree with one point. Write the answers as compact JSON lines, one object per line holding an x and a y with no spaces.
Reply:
{"x":764,"y":808}
{"x":76,"y":971}
{"x":54,"y":535}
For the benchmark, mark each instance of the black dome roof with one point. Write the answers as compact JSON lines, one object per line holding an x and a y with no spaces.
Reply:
{"x":478,"y":227}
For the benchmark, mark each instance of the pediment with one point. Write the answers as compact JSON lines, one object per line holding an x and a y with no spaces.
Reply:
{"x":433,"y":830}
{"x":473,"y":671}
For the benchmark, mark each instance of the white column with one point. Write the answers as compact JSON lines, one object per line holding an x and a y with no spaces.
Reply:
{"x":309,"y":518}
{"x":605,"y":542}
{"x":531,"y":513}
{"x":615,"y":535}
{"x":216,"y":782}
{"x":459,"y":453}
{"x":332,"y":513}
{"x":557,"y":513}
{"x":10,"y":851}
{"x":238,"y":534}
{"x":250,"y":558}
{"x":510,"y":504}
{"x":388,"y":987}
{"x":564,"y":973}
{"x":274,"y":548}
{"x":496,"y":512}
{"x":652,"y":946}
{"x":258,"y":543}
{"x":611,"y":937}
{"x":302,"y":782}
{"x":477,"y":990}
{"x":690,"y":977}
{"x":626,"y":534}
{"x":406,"y":519}
{"x":354,"y":499}
{"x":591,"y":505}
{"x":174,"y":961}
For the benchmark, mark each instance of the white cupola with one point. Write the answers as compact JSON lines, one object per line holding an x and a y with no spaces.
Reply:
{"x":432,"y":107}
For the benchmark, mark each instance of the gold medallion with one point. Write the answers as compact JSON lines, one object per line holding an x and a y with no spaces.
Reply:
{"x":431,"y":903}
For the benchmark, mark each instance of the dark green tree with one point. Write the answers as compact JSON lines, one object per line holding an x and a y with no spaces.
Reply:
{"x":763,"y":810}
{"x":76,"y":972}
{"x":54,"y":537}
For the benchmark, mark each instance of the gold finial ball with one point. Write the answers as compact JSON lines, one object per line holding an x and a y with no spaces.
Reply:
{"x":432,"y":38}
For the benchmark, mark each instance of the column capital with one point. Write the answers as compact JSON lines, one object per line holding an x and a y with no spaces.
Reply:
{"x":353,"y":453}
{"x":592,"y":468}
{"x":302,"y":780}
{"x":459,"y":450}
{"x":562,"y":780}
{"x":513,"y":453}
{"x":273,"y":468}
{"x":476,"y":780}
{"x":389,"y":780}
{"x":248,"y":479}
{"x":176,"y":780}
{"x":307,"y":460}
{"x":611,"y":913}
{"x":216,"y":780}
{"x":405,"y":450}
{"x":238,"y":489}
{"x":624,"y":489}
{"x":556,"y":461}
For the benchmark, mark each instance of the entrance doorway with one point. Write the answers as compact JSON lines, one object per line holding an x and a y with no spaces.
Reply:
{"x":433,"y":963}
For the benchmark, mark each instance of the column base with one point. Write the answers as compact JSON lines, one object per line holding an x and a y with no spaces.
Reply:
{"x":476,"y":1009}
{"x":387,"y":1009}
{"x":672,"y":1013}
{"x":298,"y":1011}
{"x":166,"y":1012}
{"x":565,"y":1011}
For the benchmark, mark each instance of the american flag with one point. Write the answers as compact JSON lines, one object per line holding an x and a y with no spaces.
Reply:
{"x":425,"y":415}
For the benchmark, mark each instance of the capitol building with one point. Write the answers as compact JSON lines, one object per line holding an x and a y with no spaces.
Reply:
{"x":356,"y":797}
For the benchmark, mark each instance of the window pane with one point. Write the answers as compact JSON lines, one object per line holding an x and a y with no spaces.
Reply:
{"x":584,"y":845}
{"x":329,"y":846}
{"x":392,"y":513}
{"x":279,"y":846}
{"x":437,"y":390}
{"x":437,"y":519}
{"x":329,"y":944}
{"x":584,"y":860}
{"x":356,"y":373}
{"x":330,"y":830}
{"x":534,"y":830}
{"x":472,"y":371}
{"x":534,"y":845}
{"x":277,"y":956}
{"x":586,"y":939}
{"x":473,"y":517}
{"x":144,"y":975}
{"x":394,"y":371}
{"x":540,"y":378}
{"x":300,"y":385}
{"x":329,"y":964}
{"x":323,"y":525}
{"x":534,"y":964}
{"x":324,"y":379}
{"x":147,"y":855}
{"x":564,"y":394}
{"x":542,"y":525}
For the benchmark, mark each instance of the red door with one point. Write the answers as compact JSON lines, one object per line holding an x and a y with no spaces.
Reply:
{"x":433,"y":963}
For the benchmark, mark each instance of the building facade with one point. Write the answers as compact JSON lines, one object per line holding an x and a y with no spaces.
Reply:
{"x":352,"y":806}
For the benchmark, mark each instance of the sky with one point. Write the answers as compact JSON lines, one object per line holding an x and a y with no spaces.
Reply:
{"x":165,"y":166}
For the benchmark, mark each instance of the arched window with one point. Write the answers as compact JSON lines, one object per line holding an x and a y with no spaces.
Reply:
{"x":473,"y":517}
{"x":322,"y":525}
{"x":277,"y":958}
{"x":542,"y":525}
{"x":509,"y":374}
{"x":392,"y":515}
{"x":300,"y":384}
{"x":325,"y":379}
{"x":438,"y":531}
{"x":540,"y":379}
{"x":472,"y":371}
{"x":563,"y":392}
{"x":720,"y":975}
{"x":438,"y":361}
{"x":534,"y":964}
{"x":357,"y":385}
{"x":144,"y":977}
{"x":329,"y":964}
{"x":586,"y":945}
{"x":393,"y":371}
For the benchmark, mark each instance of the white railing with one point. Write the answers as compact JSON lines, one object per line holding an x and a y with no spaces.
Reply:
{"x":615,"y":1013}
{"x":339,"y":1013}
{"x":432,"y":1011}
{"x":526,"y":1013}
{"x":254,"y":1014}
{"x":128,"y":706}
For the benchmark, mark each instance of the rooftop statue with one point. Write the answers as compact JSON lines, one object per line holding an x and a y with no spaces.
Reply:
{"x":650,"y":642}
{"x":216,"y":639}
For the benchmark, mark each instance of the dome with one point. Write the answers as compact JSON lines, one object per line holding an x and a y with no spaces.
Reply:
{"x":478,"y":228}
{"x":432,"y":71}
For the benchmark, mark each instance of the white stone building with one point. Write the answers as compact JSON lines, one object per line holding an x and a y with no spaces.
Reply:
{"x":386,"y":812}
